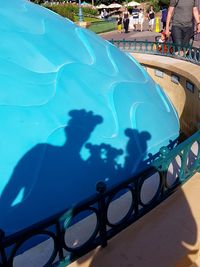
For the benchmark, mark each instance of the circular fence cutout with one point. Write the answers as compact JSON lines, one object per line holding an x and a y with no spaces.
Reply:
{"x":173,"y":171}
{"x":81,"y":229}
{"x":192,"y":155}
{"x":37,"y":250}
{"x":149,"y":189}
{"x":120,"y":206}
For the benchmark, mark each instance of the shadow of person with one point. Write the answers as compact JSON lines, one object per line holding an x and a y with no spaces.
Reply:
{"x":136,"y":151}
{"x":113,"y":172}
{"x":49,"y":178}
{"x":104,"y":161}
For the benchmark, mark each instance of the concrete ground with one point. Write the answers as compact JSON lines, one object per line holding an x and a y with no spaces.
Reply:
{"x":140,"y":36}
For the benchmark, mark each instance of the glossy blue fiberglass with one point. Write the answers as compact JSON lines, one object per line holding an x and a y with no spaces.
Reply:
{"x":74,"y":110}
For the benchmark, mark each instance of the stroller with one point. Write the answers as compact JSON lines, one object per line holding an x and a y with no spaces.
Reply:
{"x":164,"y":45}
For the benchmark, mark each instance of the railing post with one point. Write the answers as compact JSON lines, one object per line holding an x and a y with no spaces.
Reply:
{"x":101,"y":189}
{"x":2,"y":250}
{"x":146,"y":46}
{"x":124,"y":44}
{"x":164,"y":168}
{"x":59,"y":244}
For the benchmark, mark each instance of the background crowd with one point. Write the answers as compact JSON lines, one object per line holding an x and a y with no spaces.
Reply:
{"x":180,"y":21}
{"x":180,"y":18}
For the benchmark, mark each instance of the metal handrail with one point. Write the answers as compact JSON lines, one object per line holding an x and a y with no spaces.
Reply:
{"x":189,"y":53}
{"x":55,"y":227}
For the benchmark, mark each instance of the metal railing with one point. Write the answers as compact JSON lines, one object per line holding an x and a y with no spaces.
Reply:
{"x":170,"y":168}
{"x":191,"y":54}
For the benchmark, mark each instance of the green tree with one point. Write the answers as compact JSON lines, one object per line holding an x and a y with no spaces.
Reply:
{"x":158,"y":4}
{"x":164,"y":2}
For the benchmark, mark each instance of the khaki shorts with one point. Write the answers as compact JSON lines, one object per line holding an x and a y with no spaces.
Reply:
{"x":151,"y":22}
{"x":135,"y":21}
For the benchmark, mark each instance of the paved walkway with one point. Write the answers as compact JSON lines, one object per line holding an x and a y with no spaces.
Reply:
{"x":140,"y":36}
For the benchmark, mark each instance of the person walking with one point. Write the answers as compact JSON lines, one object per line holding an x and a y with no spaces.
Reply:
{"x":180,"y":15}
{"x":141,"y":19}
{"x":164,"y":17}
{"x":151,"y":17}
{"x":126,"y":20}
{"x":135,"y":14}
{"x":119,"y":23}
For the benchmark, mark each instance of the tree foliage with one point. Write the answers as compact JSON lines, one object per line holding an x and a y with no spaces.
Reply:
{"x":157,"y":4}
{"x":70,"y":11}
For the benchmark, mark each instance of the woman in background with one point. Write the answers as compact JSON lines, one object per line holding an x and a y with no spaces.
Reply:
{"x":126,"y":20}
{"x":164,"y":17}
{"x":141,"y":19}
{"x":151,"y":17}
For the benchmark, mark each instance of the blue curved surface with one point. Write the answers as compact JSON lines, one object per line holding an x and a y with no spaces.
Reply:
{"x":74,"y":110}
